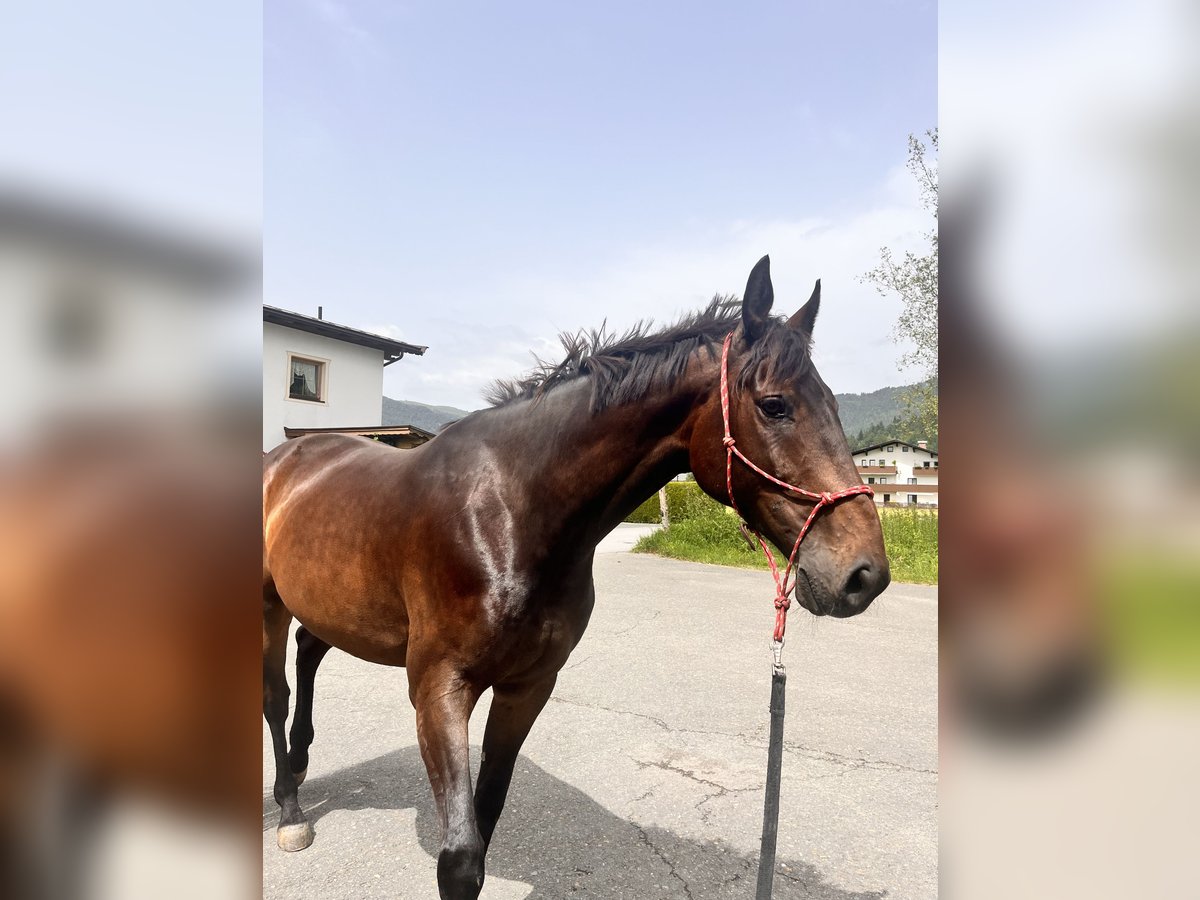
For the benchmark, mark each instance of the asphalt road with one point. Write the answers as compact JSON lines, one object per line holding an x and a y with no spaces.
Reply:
{"x":643,"y":778}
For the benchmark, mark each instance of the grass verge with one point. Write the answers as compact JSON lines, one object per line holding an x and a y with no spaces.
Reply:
{"x":710,"y":535}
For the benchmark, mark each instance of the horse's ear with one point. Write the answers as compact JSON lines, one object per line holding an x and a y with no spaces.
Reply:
{"x":757,"y":301}
{"x":806,"y":316}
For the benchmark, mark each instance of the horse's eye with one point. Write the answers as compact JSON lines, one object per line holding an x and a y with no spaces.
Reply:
{"x":773,"y":407}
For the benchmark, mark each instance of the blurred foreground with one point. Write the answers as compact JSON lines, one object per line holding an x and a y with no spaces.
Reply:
{"x":130,"y":291}
{"x":1070,"y":628}
{"x":129,"y":610}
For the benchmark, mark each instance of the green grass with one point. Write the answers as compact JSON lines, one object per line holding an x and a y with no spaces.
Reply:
{"x":708,"y":533}
{"x":1151,"y":606}
{"x":911,"y":539}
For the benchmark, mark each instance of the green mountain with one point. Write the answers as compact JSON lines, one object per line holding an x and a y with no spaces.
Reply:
{"x":409,"y":412}
{"x":861,"y":411}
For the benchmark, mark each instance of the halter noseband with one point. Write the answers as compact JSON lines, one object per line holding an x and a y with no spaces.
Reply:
{"x":826,"y":498}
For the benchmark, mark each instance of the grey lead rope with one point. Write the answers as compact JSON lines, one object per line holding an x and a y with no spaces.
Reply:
{"x":770,"y":833}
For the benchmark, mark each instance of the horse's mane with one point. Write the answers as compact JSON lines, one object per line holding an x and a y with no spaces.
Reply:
{"x":623,"y":368}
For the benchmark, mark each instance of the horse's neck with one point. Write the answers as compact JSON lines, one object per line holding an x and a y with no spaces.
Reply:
{"x":587,"y":470}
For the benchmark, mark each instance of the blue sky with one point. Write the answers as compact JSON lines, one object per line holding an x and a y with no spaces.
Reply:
{"x":479,"y":176}
{"x":153,"y":108}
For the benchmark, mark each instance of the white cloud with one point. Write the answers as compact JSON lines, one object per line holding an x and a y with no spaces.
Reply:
{"x":337,"y":14}
{"x":395,"y":332}
{"x":853,"y":347}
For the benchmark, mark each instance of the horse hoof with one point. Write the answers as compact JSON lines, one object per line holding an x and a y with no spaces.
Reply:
{"x":294,"y":837}
{"x":299,"y":776}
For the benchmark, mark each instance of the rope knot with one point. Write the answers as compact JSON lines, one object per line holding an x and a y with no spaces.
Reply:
{"x":783,"y":602}
{"x":728,"y":441}
{"x":826,"y":497}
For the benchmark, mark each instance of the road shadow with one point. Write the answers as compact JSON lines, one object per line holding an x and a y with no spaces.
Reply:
{"x":557,"y":839}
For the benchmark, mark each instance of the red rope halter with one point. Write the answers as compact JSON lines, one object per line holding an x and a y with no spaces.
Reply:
{"x":826,"y":498}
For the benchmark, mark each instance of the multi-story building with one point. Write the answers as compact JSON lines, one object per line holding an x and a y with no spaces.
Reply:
{"x":901,"y":473}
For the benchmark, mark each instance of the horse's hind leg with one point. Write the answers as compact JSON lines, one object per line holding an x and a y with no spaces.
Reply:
{"x":509,"y":721}
{"x":444,"y":701}
{"x":294,"y":832}
{"x":310,"y":650}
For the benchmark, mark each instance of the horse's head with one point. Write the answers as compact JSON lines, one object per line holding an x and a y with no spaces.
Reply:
{"x":784,"y":419}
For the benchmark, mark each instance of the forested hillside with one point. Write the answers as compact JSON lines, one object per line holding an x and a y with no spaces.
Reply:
{"x":859,"y":411}
{"x":409,"y":412}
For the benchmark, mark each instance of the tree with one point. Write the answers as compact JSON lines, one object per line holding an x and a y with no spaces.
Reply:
{"x":901,"y":428}
{"x":914,"y":279}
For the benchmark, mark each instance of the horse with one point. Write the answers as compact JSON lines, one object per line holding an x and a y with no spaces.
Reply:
{"x":468,"y":560}
{"x":128,"y":618}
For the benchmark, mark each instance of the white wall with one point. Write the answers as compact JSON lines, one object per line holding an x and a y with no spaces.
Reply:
{"x":354,"y":384}
{"x":148,"y":343}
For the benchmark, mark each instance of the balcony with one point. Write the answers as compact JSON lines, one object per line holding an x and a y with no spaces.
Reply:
{"x":877,"y":470}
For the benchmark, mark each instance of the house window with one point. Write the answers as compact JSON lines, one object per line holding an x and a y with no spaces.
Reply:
{"x":882,"y":479}
{"x":912,"y":481}
{"x":890,"y":448}
{"x":912,"y":498}
{"x":887,"y":498}
{"x":306,"y":379}
{"x":870,"y":481}
{"x":904,"y":449}
{"x":926,"y":464}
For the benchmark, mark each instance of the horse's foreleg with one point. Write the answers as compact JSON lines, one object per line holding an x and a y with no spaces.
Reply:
{"x":310,"y":650}
{"x":294,"y":832}
{"x":509,"y":721}
{"x":444,"y":701}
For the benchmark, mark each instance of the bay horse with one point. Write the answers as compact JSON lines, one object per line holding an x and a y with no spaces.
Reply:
{"x":468,"y":560}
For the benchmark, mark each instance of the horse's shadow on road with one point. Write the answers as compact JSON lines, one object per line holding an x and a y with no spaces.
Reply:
{"x":557,"y":839}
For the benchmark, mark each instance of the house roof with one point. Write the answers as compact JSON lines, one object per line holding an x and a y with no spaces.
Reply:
{"x":889,"y":443}
{"x":418,"y":435}
{"x":97,"y":232}
{"x":392,"y":349}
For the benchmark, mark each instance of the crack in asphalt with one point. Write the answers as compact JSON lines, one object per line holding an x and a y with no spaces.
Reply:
{"x":671,"y":729}
{"x":638,"y":624}
{"x":721,"y":789}
{"x":853,"y":763}
{"x":849,"y":763}
{"x":639,"y":799}
{"x":670,"y":865}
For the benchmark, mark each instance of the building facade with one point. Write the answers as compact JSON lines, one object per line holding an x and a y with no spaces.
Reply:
{"x":901,"y":473}
{"x":319,"y":376}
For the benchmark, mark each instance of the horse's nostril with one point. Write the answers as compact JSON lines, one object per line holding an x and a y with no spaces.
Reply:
{"x":857,"y":581}
{"x":866,"y":582}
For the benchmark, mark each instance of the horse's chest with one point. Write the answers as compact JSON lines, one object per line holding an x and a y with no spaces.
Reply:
{"x":533,"y":631}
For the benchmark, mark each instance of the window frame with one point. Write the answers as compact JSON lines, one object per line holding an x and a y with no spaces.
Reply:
{"x":322,"y":377}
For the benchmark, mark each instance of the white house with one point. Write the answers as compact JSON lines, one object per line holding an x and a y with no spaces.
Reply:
{"x":320,"y":376}
{"x":109,"y":315}
{"x":901,"y":473}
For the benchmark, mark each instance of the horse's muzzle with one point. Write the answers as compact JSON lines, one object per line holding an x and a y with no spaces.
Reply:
{"x":866,"y":581}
